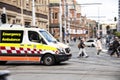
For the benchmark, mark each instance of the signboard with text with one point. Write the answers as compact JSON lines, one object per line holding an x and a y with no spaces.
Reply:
{"x":11,"y":36}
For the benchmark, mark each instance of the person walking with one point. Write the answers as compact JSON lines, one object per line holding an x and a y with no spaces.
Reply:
{"x":98,"y":45}
{"x":82,"y":51}
{"x":115,"y":46}
{"x":107,"y":42}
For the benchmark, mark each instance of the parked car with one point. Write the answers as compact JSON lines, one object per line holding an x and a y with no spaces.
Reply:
{"x":90,"y":42}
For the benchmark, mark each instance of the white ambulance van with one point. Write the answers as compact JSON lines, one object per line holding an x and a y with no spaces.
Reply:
{"x":18,"y":43}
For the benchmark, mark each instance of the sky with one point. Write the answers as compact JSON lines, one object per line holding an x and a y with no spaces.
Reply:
{"x":106,"y":10}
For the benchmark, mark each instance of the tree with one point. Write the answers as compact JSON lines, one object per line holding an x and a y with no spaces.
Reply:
{"x":117,"y":34}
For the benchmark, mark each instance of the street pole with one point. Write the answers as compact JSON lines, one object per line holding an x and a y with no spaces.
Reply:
{"x":88,"y":30}
{"x":33,"y":12}
{"x":4,"y":10}
{"x":98,"y":23}
{"x":118,"y":24}
{"x":68,"y":22}
{"x":22,"y":21}
{"x":60,"y":20}
{"x":65,"y":20}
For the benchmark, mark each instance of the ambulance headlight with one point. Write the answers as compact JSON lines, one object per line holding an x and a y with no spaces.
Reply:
{"x":61,"y":51}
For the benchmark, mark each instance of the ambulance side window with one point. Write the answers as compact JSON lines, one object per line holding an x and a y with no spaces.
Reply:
{"x":35,"y":37}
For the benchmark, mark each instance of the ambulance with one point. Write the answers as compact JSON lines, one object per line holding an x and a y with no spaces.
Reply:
{"x":18,"y":43}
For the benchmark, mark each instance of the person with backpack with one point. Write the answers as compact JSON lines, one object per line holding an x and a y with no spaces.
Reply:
{"x":82,"y":51}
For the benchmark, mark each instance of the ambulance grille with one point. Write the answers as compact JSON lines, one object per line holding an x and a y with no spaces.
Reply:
{"x":67,"y":50}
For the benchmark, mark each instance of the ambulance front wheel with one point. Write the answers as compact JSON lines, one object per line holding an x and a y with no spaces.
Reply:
{"x":3,"y":62}
{"x":49,"y":60}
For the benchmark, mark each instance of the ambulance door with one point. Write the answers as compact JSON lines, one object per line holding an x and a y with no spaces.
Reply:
{"x":34,"y":42}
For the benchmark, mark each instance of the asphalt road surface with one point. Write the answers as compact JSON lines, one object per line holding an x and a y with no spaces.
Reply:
{"x":95,"y":67}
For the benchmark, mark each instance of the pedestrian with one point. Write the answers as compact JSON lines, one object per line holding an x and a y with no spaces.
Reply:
{"x":98,"y":45}
{"x":82,"y":51}
{"x":67,"y":42}
{"x":107,"y":42}
{"x":115,"y":46}
{"x":74,"y":39}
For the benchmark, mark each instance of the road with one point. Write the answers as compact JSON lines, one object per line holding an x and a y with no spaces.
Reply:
{"x":95,"y":67}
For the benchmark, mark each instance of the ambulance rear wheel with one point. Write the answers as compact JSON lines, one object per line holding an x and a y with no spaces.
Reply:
{"x":3,"y":62}
{"x":49,"y":60}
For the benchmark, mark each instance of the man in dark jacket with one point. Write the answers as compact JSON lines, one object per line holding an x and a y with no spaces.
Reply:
{"x":115,"y":45}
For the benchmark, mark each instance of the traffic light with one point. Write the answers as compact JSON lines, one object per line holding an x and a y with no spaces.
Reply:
{"x":3,"y":18}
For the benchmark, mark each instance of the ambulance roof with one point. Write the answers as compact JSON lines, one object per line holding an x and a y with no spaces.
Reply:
{"x":11,"y":26}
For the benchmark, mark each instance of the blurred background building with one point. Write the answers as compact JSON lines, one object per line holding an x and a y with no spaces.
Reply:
{"x":74,"y":25}
{"x":67,"y":20}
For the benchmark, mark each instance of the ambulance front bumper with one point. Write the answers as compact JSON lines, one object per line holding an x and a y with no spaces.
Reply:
{"x":63,"y":57}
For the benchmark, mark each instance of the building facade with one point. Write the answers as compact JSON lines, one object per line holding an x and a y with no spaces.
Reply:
{"x":20,"y":12}
{"x":74,"y":25}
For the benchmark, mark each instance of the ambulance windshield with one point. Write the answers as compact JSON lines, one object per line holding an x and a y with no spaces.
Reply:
{"x":48,"y":36}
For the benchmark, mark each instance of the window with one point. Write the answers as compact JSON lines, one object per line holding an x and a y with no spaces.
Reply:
{"x":90,"y":41}
{"x":14,"y":2}
{"x":35,"y":37}
{"x":47,"y":36}
{"x":56,"y":15}
{"x":27,"y":4}
{"x":52,"y":15}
